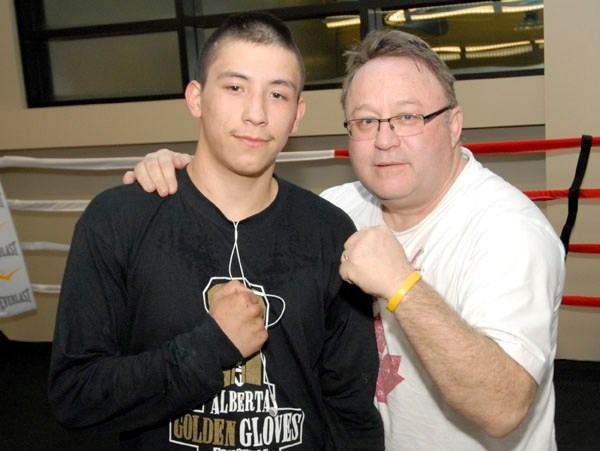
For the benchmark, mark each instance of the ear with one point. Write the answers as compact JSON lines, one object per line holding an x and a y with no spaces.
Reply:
{"x":193,"y":96}
{"x":456,"y":123}
{"x":299,"y":114}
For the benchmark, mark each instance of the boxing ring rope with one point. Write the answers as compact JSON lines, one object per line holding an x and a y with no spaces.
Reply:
{"x":536,"y":195}
{"x":574,"y":193}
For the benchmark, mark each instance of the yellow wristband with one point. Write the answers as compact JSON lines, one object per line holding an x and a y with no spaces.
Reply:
{"x":396,"y":299}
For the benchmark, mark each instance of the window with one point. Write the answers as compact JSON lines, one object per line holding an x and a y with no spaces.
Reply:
{"x":479,"y":40}
{"x":93,"y":51}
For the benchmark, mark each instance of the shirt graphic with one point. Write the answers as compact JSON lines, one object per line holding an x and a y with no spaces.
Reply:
{"x":389,"y":365}
{"x":245,"y":415}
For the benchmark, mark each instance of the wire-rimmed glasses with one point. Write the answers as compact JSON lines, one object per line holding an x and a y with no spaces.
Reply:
{"x":405,"y":124}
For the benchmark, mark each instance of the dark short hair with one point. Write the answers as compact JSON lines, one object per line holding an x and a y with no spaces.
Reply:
{"x":253,"y":27}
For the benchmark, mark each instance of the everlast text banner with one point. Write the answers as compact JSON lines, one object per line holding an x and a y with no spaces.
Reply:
{"x":16,"y":295}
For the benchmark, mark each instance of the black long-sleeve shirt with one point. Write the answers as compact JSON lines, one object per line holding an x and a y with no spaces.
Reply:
{"x":135,"y":350}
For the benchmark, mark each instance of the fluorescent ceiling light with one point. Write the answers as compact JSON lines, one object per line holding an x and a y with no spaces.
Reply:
{"x":452,"y":53}
{"x":447,"y":49}
{"x":416,"y":14}
{"x":449,"y":57}
{"x":512,"y":51}
{"x":341,"y":21}
{"x":520,"y":8}
{"x":485,"y":48}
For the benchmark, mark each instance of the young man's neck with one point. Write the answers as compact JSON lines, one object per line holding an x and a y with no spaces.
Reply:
{"x":238,"y":197}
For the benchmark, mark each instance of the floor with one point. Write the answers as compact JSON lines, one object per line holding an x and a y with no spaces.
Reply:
{"x":27,"y":424}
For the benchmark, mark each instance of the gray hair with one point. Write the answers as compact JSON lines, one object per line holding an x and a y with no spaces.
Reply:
{"x":397,"y":43}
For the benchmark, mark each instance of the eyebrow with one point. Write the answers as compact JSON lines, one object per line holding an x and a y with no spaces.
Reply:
{"x":277,"y":82}
{"x":365,"y":107}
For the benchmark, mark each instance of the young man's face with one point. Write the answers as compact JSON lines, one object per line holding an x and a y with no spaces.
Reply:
{"x":248,"y":106}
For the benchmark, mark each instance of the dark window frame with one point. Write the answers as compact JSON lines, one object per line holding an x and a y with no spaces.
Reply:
{"x":34,"y":41}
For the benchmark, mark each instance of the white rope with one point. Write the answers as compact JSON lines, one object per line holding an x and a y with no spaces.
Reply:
{"x":125,"y":163}
{"x":42,"y":288}
{"x":44,"y":246}
{"x":309,"y":155}
{"x":48,"y":205}
{"x":94,"y":164}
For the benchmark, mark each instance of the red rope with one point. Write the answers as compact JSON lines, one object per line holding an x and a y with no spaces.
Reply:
{"x":585,"y":248}
{"x":585,"y":193}
{"x":535,"y":145}
{"x":526,"y":146}
{"x":581,"y":301}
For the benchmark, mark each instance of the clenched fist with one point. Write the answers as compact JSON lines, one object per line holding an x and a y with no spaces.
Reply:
{"x":240,"y":314}
{"x":375,"y":261}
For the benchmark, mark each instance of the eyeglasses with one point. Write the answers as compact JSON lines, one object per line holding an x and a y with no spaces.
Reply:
{"x":405,"y":124}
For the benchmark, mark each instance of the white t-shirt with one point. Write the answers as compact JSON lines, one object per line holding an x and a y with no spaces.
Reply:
{"x":494,"y":257}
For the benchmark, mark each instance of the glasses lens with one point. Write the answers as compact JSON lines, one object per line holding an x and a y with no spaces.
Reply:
{"x":403,"y":125}
{"x":363,"y":129}
{"x":407,"y":124}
